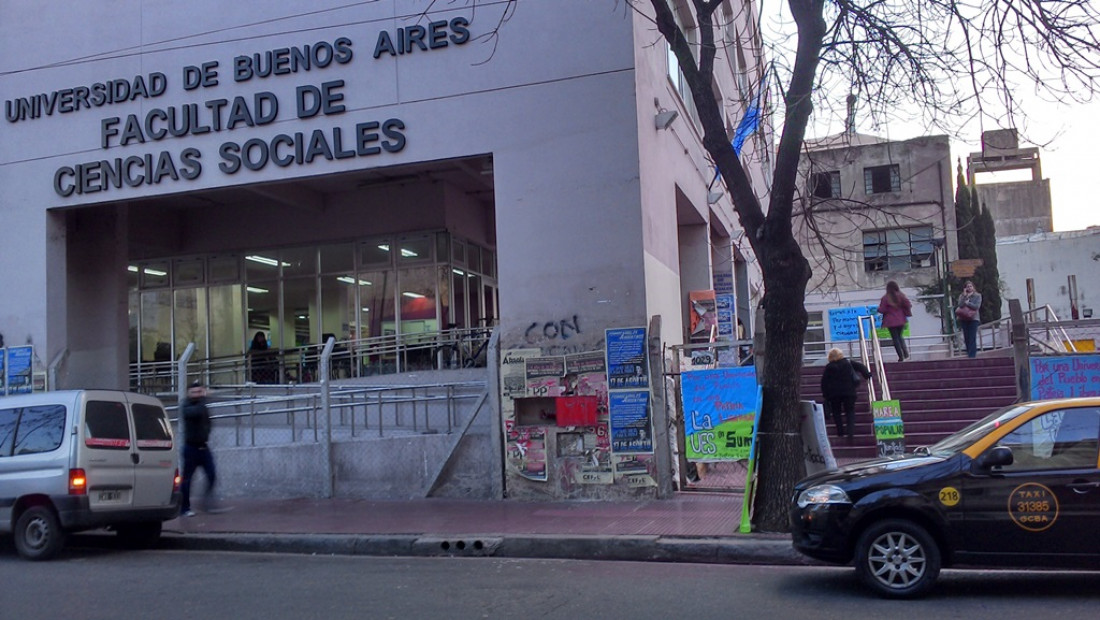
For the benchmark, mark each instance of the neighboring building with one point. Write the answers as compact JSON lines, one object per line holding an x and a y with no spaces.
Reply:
{"x":197,"y":172}
{"x":1018,"y":207}
{"x":1056,"y":269}
{"x":874,"y":210}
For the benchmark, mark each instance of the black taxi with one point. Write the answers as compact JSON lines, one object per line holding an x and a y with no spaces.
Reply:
{"x":1019,"y":488}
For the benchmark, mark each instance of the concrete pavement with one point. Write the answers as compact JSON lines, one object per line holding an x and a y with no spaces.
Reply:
{"x":691,"y":527}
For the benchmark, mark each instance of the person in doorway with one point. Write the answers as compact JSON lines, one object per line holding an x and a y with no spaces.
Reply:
{"x":896,"y":310}
{"x":967,"y":313}
{"x":264,"y":370}
{"x":839,"y":382}
{"x":196,"y":452}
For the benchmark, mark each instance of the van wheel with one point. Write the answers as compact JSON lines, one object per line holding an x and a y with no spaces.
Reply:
{"x":38,"y":534}
{"x":897,"y":558}
{"x":139,"y":535}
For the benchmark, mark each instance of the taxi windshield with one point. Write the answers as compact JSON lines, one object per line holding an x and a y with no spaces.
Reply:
{"x":953,"y":444}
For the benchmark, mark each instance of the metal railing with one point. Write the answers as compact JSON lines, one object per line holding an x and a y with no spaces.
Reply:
{"x":870,"y":353}
{"x":384,"y":355}
{"x":250,"y":415}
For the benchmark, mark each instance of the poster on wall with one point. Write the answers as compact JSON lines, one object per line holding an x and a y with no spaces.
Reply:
{"x":526,"y":450}
{"x":544,"y":375}
{"x":702,"y":316}
{"x":844,"y":323}
{"x":723,"y":304}
{"x":636,"y":470}
{"x":626,"y":358}
{"x":1065,"y":376}
{"x":720,"y":409}
{"x":631,"y":427}
{"x":17,"y":370}
{"x":586,"y":375}
{"x":586,"y":454}
{"x":513,"y":384}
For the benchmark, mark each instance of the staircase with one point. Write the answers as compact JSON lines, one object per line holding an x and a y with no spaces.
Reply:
{"x":938,"y":397}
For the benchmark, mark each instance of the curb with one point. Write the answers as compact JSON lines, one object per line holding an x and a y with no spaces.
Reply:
{"x":774,"y":551}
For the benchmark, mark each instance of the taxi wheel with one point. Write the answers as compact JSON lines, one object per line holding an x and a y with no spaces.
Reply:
{"x":897,"y":558}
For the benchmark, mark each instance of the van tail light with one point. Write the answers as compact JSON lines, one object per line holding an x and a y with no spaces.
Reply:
{"x":78,"y":482}
{"x":176,"y":481}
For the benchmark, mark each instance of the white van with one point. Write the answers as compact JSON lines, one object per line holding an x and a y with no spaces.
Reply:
{"x":84,"y":459}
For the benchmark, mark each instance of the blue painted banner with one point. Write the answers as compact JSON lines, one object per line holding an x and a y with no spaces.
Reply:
{"x":1065,"y":376}
{"x":843,"y":322}
{"x":720,"y":408}
{"x":18,"y":370}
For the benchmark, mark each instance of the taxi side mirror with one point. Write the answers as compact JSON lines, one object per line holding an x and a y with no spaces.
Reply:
{"x":999,"y":456}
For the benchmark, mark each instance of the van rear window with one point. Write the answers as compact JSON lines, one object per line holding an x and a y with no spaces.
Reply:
{"x":106,"y":426}
{"x":31,"y":430}
{"x":151,"y":428}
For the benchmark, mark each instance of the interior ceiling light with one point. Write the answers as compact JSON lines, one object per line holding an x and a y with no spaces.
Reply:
{"x":148,"y":271}
{"x":408,"y":253}
{"x":413,"y":295}
{"x":263,"y":260}
{"x":255,"y":289}
{"x":351,"y":280}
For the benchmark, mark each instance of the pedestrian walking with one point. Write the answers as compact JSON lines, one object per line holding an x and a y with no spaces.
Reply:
{"x":968,"y":315}
{"x":839,"y":383}
{"x":196,"y":452}
{"x":896,"y":309}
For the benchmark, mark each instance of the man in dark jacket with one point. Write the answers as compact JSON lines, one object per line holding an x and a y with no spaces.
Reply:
{"x":196,"y":454}
{"x":838,"y":387}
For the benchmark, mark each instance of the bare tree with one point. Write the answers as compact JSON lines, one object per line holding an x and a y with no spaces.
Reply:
{"x":954,"y":60}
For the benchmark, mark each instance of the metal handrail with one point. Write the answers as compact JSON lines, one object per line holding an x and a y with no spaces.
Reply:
{"x":878,"y":369}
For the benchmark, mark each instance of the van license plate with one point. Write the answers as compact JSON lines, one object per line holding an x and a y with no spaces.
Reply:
{"x":110,"y":496}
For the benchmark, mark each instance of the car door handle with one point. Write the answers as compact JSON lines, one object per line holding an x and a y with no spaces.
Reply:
{"x":1082,"y":486}
{"x":135,"y":458}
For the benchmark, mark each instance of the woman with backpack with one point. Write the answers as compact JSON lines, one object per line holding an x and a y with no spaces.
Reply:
{"x":838,"y":387}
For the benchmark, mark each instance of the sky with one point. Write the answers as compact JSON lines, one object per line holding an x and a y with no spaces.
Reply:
{"x":1068,"y":137}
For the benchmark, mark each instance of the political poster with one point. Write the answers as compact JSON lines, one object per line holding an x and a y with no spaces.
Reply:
{"x":1065,"y":376}
{"x":17,"y":369}
{"x":720,"y":409}
{"x":889,"y":431}
{"x":631,"y":426}
{"x":627,"y":366}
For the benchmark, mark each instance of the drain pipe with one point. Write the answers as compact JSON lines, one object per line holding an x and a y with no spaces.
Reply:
{"x":51,"y":372}
{"x":326,"y":417}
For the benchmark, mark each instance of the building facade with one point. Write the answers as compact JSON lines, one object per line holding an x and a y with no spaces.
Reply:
{"x":210,"y":172}
{"x":1018,"y":207}
{"x":874,"y":210}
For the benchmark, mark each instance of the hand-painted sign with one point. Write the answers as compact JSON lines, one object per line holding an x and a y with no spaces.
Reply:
{"x":720,"y":408}
{"x":1065,"y":376}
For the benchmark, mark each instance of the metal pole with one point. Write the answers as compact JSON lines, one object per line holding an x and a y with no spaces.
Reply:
{"x":326,"y":416}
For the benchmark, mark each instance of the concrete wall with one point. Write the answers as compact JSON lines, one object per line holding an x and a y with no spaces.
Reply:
{"x":1019,"y":208}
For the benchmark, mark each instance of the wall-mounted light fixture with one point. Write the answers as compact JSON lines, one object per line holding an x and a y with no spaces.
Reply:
{"x":664,"y":118}
{"x":713,"y":197}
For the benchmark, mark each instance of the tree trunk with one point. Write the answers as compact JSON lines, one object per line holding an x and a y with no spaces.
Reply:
{"x":780,"y":445}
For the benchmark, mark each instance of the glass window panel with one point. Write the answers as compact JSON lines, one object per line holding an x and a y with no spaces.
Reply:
{"x":458,"y":287}
{"x":376,"y":304}
{"x":189,"y":271}
{"x":338,"y":258}
{"x":224,"y":269}
{"x":490,"y":307}
{"x":262,"y":265}
{"x":133,"y":312}
{"x":299,"y":307}
{"x":154,"y":274}
{"x":338,"y":303}
{"x":106,"y":425}
{"x":8,"y":419}
{"x":40,"y":429}
{"x":458,"y":252}
{"x":226,"y":328}
{"x":151,"y":428}
{"x":377,"y":253}
{"x":414,"y":249}
{"x":473,"y":257}
{"x":418,"y":301}
{"x":442,"y":246}
{"x":1055,"y":440}
{"x":263,"y":311}
{"x":477,"y":311}
{"x":156,"y":326}
{"x":444,"y":289}
{"x":189,"y":320}
{"x":299,"y":261}
{"x":132,"y":279}
{"x":489,"y":263}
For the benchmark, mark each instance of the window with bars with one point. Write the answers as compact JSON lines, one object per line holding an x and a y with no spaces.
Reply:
{"x":898,"y":249}
{"x":826,"y":184}
{"x":882,"y":179}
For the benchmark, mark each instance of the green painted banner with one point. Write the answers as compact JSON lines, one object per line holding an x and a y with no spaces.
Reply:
{"x":889,"y":430}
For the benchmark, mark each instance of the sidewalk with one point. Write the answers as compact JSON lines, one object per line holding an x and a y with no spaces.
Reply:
{"x":691,"y":527}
